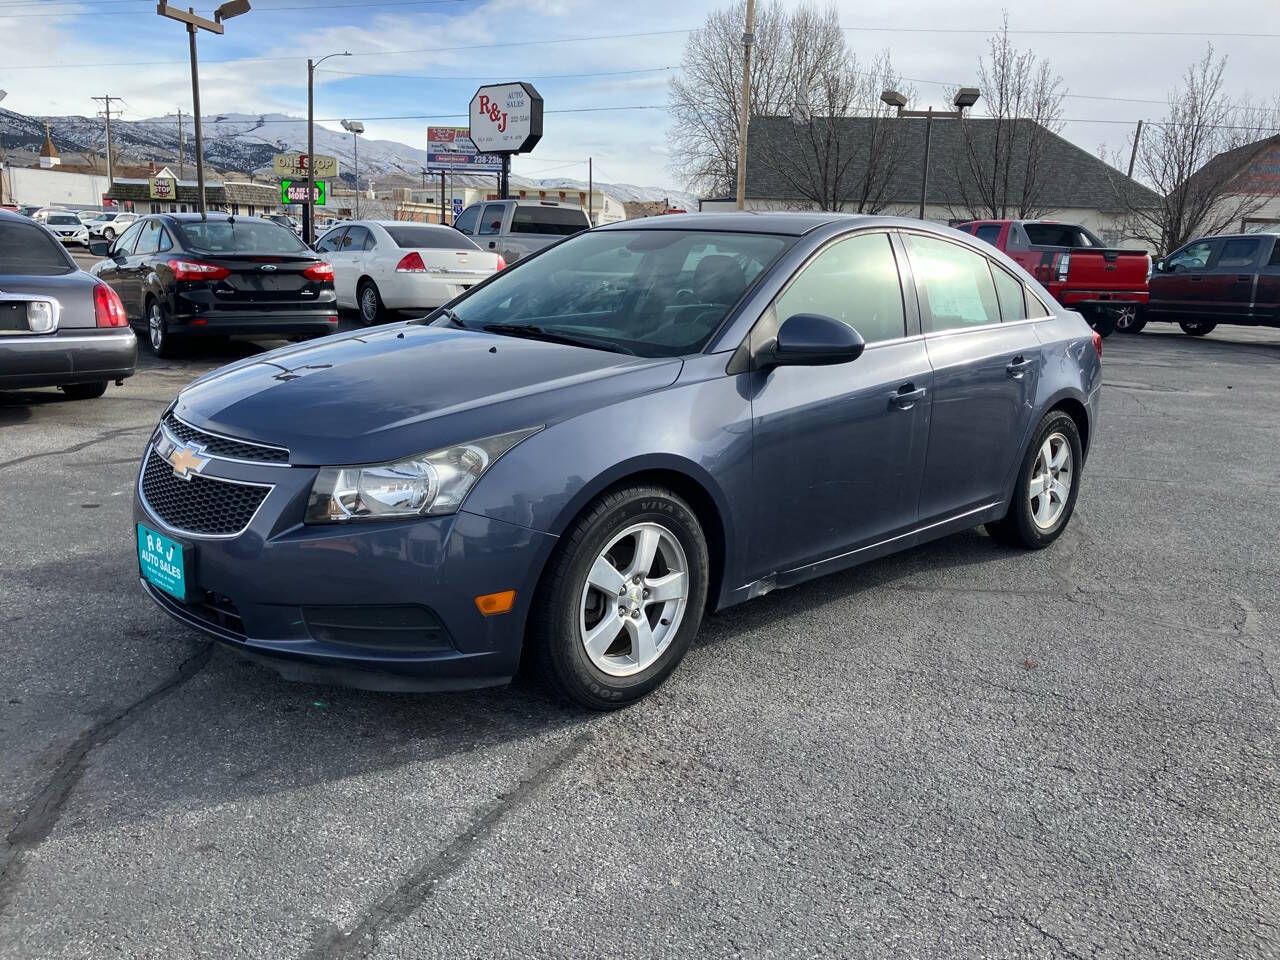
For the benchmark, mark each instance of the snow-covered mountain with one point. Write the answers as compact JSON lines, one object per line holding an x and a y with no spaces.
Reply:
{"x":244,"y":143}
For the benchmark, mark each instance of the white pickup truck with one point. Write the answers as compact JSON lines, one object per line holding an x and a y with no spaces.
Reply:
{"x":517,"y":228}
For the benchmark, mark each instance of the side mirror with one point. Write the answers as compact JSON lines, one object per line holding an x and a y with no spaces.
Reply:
{"x":99,"y":248}
{"x":814,"y":340}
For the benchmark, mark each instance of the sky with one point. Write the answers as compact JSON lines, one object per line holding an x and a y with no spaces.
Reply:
{"x":605,"y":93}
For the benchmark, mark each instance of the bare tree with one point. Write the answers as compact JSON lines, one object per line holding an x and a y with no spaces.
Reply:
{"x":704,"y":98}
{"x":1196,"y":161}
{"x":1001,"y":172}
{"x":841,"y":148}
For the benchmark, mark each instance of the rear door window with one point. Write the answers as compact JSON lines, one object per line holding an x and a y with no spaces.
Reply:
{"x":491,"y":221}
{"x":956,"y":282}
{"x":1009,"y":293}
{"x":1239,"y":253}
{"x":550,"y":221}
{"x":28,"y":250}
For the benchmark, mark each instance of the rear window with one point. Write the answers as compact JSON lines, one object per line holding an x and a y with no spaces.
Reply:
{"x":444,"y":238}
{"x":238,"y":236}
{"x":27,"y":250}
{"x":555,"y":221}
{"x":1060,"y":235}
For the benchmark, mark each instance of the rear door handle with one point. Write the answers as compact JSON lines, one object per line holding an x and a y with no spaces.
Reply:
{"x":1244,"y":277}
{"x":1018,"y":366}
{"x":905,"y":397}
{"x":1195,"y":279}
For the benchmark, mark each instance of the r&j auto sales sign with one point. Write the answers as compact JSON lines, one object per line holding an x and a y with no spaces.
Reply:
{"x":506,"y":118}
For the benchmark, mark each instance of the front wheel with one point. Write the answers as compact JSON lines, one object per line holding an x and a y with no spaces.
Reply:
{"x":1197,"y":328}
{"x":1130,"y":320}
{"x":1102,"y":320}
{"x":108,"y":234}
{"x":622,"y":598}
{"x":1044,"y":496}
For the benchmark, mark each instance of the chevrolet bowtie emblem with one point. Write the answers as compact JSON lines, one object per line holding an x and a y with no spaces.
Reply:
{"x":186,"y":460}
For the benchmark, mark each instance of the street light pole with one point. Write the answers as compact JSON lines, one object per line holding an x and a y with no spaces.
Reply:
{"x":356,"y":127}
{"x":744,"y":108}
{"x":309,"y":211}
{"x":965,"y":98}
{"x":232,"y":8}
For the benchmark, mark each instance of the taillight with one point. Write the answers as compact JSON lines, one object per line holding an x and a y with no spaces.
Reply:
{"x":1064,"y":266}
{"x":411,"y":262}
{"x":319,"y":271}
{"x":197,"y":270}
{"x":108,"y":310}
{"x":502,"y":264}
{"x":1097,"y":344}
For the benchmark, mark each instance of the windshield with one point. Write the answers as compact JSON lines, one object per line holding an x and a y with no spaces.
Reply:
{"x":239,"y":236}
{"x":654,"y":293}
{"x":64,"y":220}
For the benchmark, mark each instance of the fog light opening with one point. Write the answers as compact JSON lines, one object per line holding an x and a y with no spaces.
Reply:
{"x":492,"y":604}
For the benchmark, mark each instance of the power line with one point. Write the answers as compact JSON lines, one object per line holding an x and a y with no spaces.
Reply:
{"x":141,"y":13}
{"x":545,"y":76}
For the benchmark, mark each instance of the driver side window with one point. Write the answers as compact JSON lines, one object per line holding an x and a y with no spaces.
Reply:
{"x":854,"y":281}
{"x":1192,"y":257}
{"x":124,"y":243}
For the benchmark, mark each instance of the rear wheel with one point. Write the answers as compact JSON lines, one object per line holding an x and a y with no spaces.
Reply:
{"x":84,"y":391}
{"x":1197,"y":328}
{"x":1101,"y":319}
{"x":1130,"y":320}
{"x":108,"y":234}
{"x":622,"y":598}
{"x":1044,"y":496}
{"x":162,"y":342}
{"x":370,"y":302}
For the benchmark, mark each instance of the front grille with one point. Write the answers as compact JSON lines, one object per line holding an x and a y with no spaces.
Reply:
{"x":225,"y":447}
{"x":201,"y":505}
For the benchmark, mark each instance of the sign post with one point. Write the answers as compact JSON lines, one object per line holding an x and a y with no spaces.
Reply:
{"x":506,"y":118}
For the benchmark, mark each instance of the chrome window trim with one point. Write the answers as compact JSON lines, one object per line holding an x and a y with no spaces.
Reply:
{"x":152,"y":515}
{"x":222,"y":436}
{"x":55,"y":306}
{"x":957,"y":331}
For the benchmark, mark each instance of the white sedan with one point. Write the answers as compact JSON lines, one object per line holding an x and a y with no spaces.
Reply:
{"x":381,"y":265}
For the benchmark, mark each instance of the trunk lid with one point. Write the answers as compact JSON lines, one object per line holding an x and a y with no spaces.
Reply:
{"x":255,"y":280}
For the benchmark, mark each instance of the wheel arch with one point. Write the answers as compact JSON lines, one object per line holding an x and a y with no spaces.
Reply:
{"x":688,"y":481}
{"x":1077,"y":411}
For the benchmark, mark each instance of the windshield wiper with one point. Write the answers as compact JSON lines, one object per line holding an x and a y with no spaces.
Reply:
{"x":534,"y":332}
{"x":453,"y":318}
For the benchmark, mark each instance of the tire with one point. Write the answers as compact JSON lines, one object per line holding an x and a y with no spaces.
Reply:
{"x":108,"y":234}
{"x":84,"y":391}
{"x":1020,"y":527}
{"x":1197,"y":328}
{"x":621,"y":666}
{"x":163,"y":343}
{"x":369,"y":302}
{"x":1102,"y":320}
{"x":1130,"y":320}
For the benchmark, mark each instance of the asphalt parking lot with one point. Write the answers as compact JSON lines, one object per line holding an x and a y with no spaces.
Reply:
{"x":959,"y":751}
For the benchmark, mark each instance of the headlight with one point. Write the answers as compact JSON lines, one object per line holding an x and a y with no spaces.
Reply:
{"x":430,"y":484}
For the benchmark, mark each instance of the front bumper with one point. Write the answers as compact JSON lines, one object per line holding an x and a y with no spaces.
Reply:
{"x":263,"y":591}
{"x":67,"y":357}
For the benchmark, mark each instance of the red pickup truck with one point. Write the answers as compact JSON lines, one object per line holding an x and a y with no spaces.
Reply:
{"x":1106,"y":286}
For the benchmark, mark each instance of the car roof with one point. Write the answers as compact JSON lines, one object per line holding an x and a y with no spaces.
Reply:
{"x":790,"y":222}
{"x":404,"y":223}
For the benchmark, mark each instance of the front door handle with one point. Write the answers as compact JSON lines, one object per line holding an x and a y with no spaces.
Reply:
{"x":1195,"y":279}
{"x":906,"y":396}
{"x":1018,"y":366}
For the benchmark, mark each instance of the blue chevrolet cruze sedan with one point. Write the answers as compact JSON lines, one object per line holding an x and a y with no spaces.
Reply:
{"x":582,"y":456}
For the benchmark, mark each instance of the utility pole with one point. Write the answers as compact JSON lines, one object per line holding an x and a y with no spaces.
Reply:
{"x":591,"y":198}
{"x":1133,"y":154}
{"x":106,"y":110}
{"x":744,"y":115}
{"x":182,"y":153}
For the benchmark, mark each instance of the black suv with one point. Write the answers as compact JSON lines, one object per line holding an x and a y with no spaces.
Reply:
{"x":182,"y":275}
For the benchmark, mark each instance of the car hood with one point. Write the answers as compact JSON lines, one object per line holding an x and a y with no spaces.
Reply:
{"x":382,"y":395}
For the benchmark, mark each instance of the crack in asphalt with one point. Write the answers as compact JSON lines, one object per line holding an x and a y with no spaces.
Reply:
{"x":1248,"y":627}
{"x":45,"y":807}
{"x":423,"y":882}
{"x":76,"y":447}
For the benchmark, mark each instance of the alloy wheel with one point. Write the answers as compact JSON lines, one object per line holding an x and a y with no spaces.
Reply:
{"x":634,"y":599}
{"x":1126,"y":318}
{"x":1051,"y":480}
{"x":369,"y":304}
{"x":155,"y":327}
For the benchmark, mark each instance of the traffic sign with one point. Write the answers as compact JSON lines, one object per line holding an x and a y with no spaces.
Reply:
{"x":506,"y":118}
{"x":294,"y":165}
{"x":291,"y":192}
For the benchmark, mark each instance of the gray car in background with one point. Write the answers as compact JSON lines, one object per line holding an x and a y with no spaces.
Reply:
{"x":59,"y":327}
{"x":516,"y":228}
